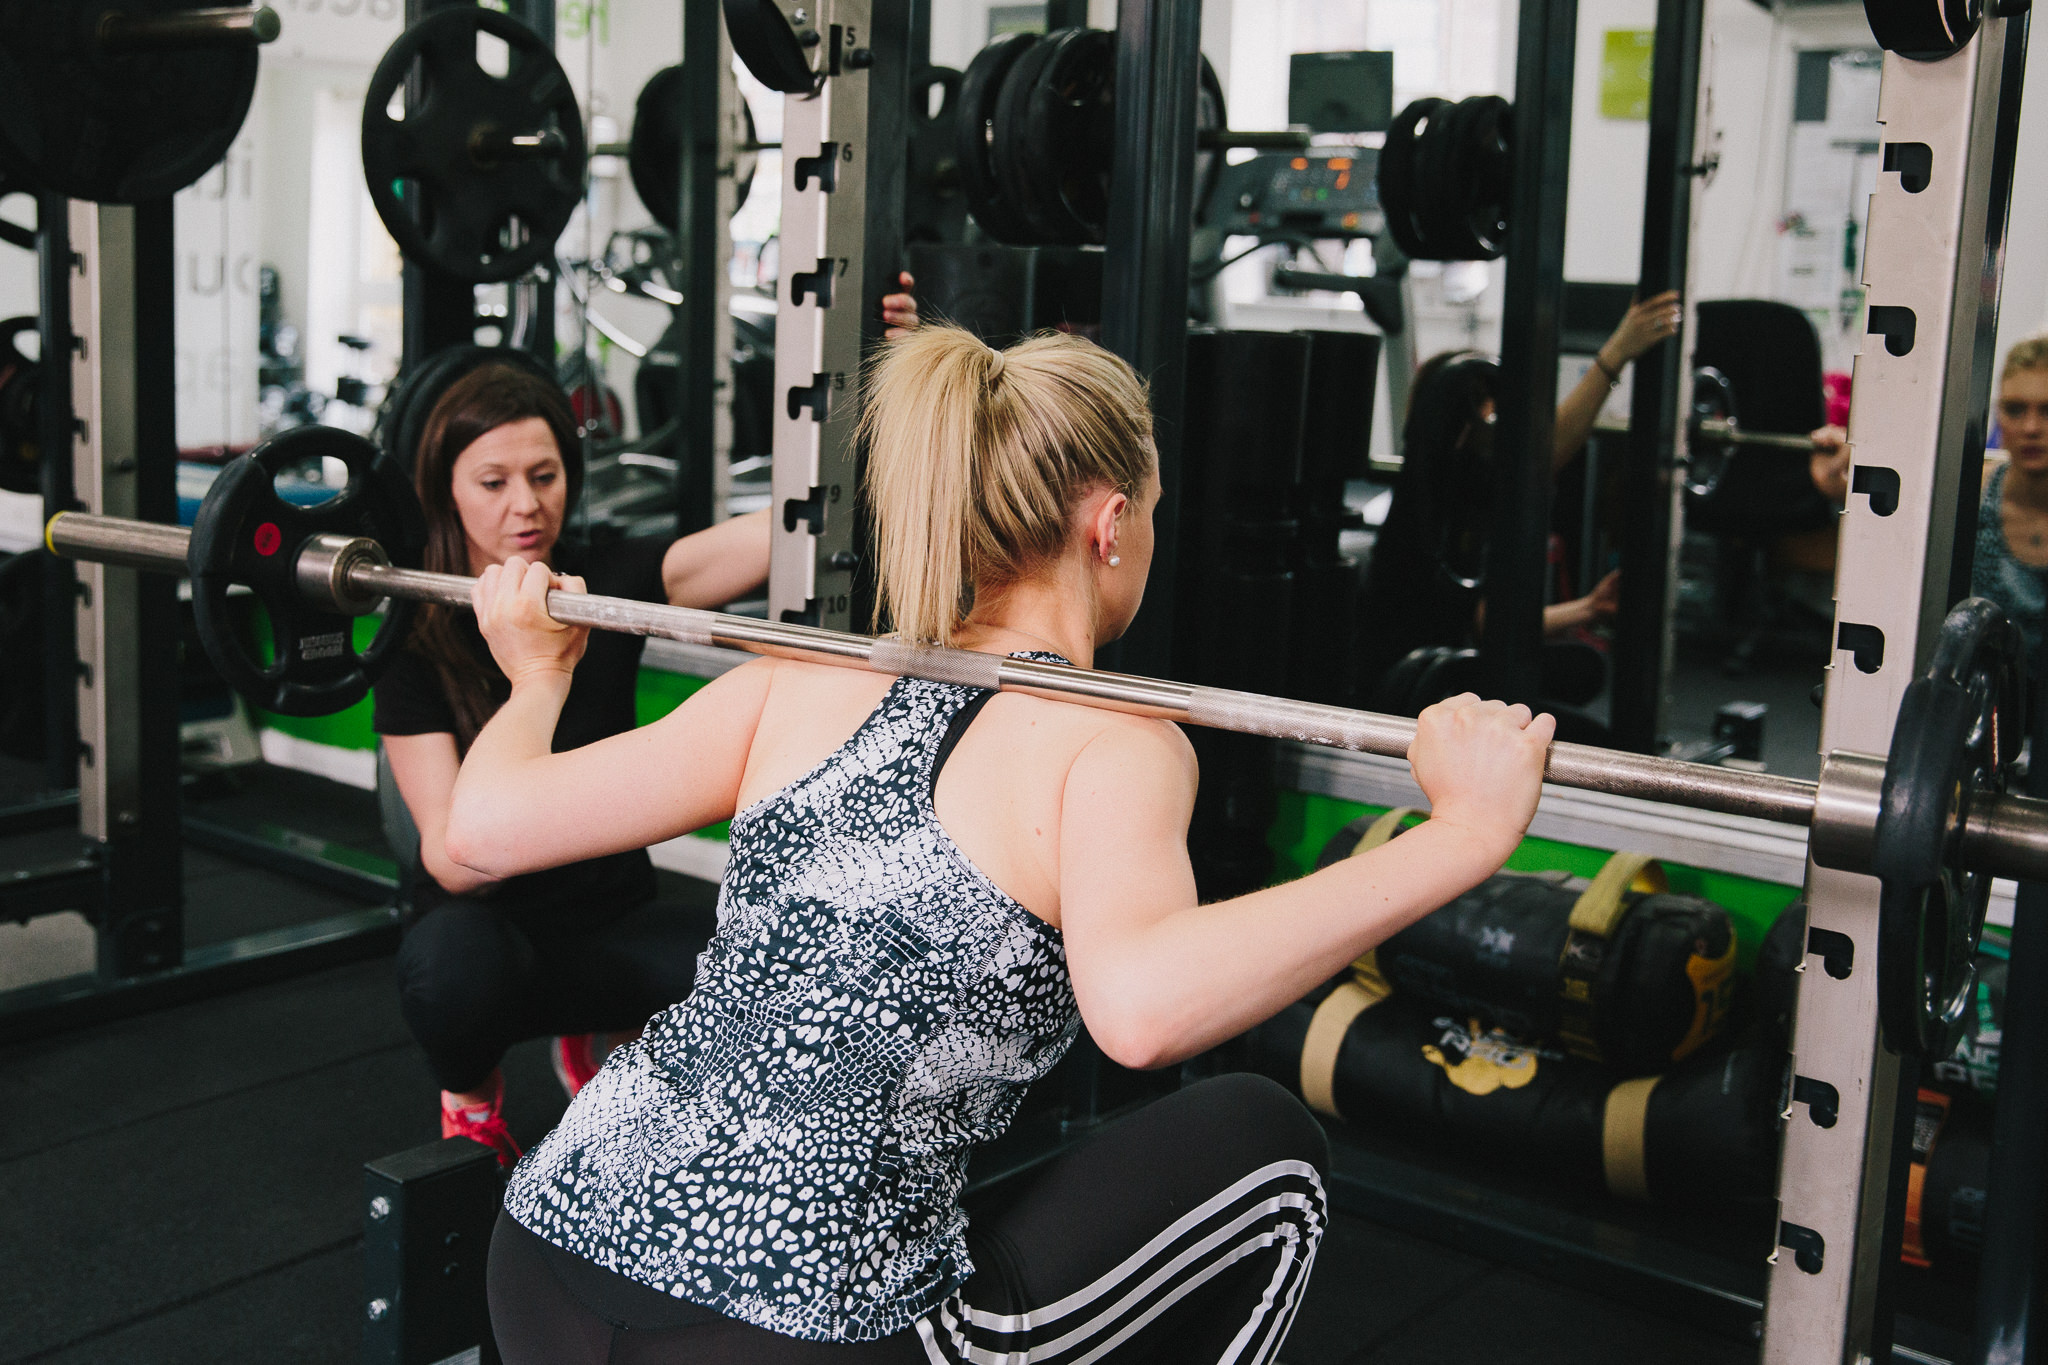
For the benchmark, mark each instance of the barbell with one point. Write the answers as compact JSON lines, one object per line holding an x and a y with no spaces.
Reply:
{"x":1934,"y":822}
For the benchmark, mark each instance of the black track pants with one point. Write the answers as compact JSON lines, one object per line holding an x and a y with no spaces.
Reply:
{"x":473,"y":980}
{"x":1180,"y":1235}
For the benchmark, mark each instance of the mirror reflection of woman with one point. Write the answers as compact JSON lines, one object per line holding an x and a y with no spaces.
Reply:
{"x":1424,"y":583}
{"x":2011,"y":562}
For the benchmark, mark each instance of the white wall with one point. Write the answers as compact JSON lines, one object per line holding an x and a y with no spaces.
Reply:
{"x":1603,"y":235}
{"x":2023,"y":305}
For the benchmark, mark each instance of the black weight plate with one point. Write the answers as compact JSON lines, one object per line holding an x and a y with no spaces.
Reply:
{"x":1045,"y":220}
{"x":449,"y":200}
{"x":403,"y":422}
{"x":1713,"y":400}
{"x":1957,"y":735}
{"x":1484,"y":167}
{"x":934,"y":209}
{"x":763,"y":39}
{"x":981,"y":86}
{"x":1437,"y":187}
{"x":245,"y":533}
{"x":113,"y":127}
{"x":1924,"y":30}
{"x":654,"y":155}
{"x":21,"y":469}
{"x":1064,"y":141}
{"x":1396,"y":177}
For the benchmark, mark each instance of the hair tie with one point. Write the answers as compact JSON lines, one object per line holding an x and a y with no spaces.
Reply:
{"x":995,"y":369}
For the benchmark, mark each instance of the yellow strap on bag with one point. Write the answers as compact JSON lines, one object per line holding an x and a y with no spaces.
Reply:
{"x":1623,"y":1154}
{"x":1332,"y":1020}
{"x":1595,"y":916}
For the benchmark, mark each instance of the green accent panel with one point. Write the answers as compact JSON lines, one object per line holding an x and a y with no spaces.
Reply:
{"x":349,"y":729}
{"x":1305,"y":821}
{"x":660,"y":693}
{"x":1625,"y":59}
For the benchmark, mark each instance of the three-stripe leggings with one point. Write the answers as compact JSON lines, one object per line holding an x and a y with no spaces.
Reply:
{"x":1179,"y":1235}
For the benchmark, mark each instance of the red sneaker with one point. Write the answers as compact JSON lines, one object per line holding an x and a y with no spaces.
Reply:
{"x":576,"y":1058}
{"x":483,"y":1125}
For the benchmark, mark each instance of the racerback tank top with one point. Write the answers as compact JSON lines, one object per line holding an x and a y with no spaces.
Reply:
{"x":788,"y":1144}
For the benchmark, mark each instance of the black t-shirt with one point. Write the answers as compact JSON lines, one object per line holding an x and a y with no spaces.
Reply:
{"x":1408,"y":600}
{"x":410,"y":701}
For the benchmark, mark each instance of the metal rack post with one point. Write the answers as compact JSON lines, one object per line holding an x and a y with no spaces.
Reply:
{"x":1512,"y":642}
{"x":1916,"y":430}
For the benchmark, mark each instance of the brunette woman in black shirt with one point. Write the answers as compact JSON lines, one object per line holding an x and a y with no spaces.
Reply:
{"x":579,"y":952}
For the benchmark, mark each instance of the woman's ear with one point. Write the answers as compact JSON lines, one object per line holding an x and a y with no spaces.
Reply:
{"x":1104,"y":525}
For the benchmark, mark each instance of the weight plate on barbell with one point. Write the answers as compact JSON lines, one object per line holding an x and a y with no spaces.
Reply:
{"x":1924,"y":30}
{"x":1957,"y":736}
{"x":454,"y":190}
{"x":402,"y":422}
{"x":1482,"y":168}
{"x":246,"y":533}
{"x":1067,"y":133}
{"x":113,"y":127}
{"x":1397,"y":176}
{"x":980,"y":88}
{"x":1713,"y":400}
{"x":1036,"y":201}
{"x":654,"y":155}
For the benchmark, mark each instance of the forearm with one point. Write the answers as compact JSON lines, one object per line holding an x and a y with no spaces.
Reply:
{"x":722,"y":564}
{"x":1575,"y":417}
{"x":1204,"y":975}
{"x":1559,"y":617}
{"x":493,"y":790}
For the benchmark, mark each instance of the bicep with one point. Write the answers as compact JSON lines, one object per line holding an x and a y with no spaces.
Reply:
{"x":1123,"y":846}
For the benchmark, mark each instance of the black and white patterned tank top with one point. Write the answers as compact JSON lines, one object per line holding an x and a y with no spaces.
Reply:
{"x":787,"y":1145}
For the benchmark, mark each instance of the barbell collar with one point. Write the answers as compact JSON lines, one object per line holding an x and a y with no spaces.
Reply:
{"x":1845,"y":808}
{"x":325,"y":572}
{"x":226,"y":26}
{"x":2004,"y":835}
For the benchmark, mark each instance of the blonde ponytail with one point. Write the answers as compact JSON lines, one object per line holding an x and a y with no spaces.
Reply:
{"x":976,"y":457}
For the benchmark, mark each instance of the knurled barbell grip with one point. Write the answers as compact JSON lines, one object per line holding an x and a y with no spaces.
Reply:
{"x":226,"y":26}
{"x":2004,"y":835}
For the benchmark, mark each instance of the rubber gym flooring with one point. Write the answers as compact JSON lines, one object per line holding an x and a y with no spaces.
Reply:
{"x":181,"y":1188}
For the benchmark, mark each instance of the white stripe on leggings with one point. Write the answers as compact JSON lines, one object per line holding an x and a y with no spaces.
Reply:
{"x":1275,"y":1311}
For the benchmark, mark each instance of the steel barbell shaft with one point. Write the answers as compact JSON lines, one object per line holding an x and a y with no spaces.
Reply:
{"x":1718,"y":431}
{"x":2005,"y":835}
{"x":227,"y":26}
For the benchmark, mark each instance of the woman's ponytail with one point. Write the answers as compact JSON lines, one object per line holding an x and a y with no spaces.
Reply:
{"x":975,"y":457}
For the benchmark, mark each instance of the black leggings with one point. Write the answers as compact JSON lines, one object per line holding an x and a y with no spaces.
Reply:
{"x":473,"y":980}
{"x":1181,"y":1234}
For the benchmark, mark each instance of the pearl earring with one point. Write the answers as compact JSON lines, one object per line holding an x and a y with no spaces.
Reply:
{"x":1115,"y":560}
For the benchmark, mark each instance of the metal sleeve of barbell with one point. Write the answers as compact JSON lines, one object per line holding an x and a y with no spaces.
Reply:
{"x":116,"y":540}
{"x":225,"y":26}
